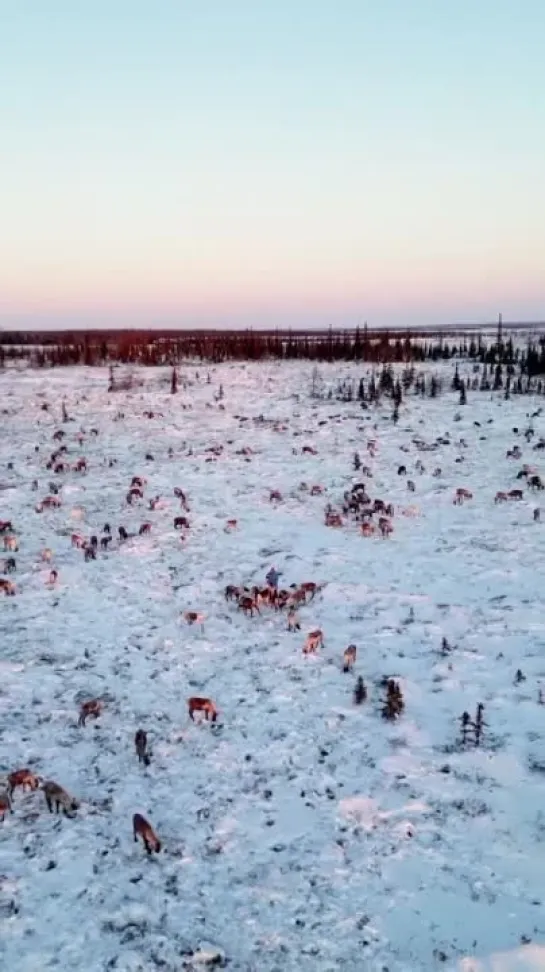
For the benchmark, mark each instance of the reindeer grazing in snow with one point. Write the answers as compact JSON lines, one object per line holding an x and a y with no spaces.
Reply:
{"x":56,"y":796}
{"x":91,"y":709}
{"x":24,"y":778}
{"x":293,"y":620}
{"x":5,"y":805}
{"x":141,"y":828}
{"x":313,"y":641}
{"x":349,"y":658}
{"x":194,"y":617}
{"x":206,"y":706}
{"x":141,"y":746}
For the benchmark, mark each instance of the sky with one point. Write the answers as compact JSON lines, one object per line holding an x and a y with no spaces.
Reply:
{"x":278,"y":163}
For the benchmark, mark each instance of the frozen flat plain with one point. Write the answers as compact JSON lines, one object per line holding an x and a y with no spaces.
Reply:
{"x":304,"y":832}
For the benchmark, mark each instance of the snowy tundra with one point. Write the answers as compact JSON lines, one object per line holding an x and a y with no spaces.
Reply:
{"x":299,"y":831}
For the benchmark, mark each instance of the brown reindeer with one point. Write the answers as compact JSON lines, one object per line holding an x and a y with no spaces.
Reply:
{"x":349,"y":658}
{"x":145,"y":528}
{"x":461,"y":495}
{"x":194,"y":617}
{"x":141,"y":746}
{"x":11,"y":543}
{"x":231,"y":525}
{"x":56,"y":796}
{"x":141,"y":828}
{"x":46,"y":555}
{"x":77,"y":540}
{"x":385,"y":526}
{"x":5,"y":805}
{"x":90,"y":710}
{"x":247,"y":604}
{"x":48,"y":503}
{"x":7,"y":586}
{"x":5,"y":525}
{"x":314,"y":640}
{"x":293,"y":620}
{"x":275,"y":496}
{"x":309,"y":450}
{"x":311,"y":588}
{"x":80,"y":465}
{"x":181,"y":523}
{"x":24,"y":778}
{"x":515,"y":494}
{"x":333,"y":519}
{"x":367,"y":529}
{"x":500,"y":497}
{"x":232,"y":593}
{"x":206,"y":706}
{"x":316,"y":490}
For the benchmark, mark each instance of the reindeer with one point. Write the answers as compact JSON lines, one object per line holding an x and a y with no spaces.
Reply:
{"x":515,"y":494}
{"x":141,"y":746}
{"x":333,"y":519}
{"x":77,"y":540}
{"x":24,"y":778}
{"x":309,"y":450}
{"x":181,"y":523}
{"x":141,"y":828}
{"x":11,"y":543}
{"x":231,"y":525}
{"x":232,"y":593}
{"x":500,"y":497}
{"x":48,"y":503}
{"x":206,"y":706}
{"x":5,"y":525}
{"x":349,"y":658}
{"x":46,"y":555}
{"x":80,"y":465}
{"x":316,"y":490}
{"x":145,"y":528}
{"x":56,"y":796}
{"x":385,"y":526}
{"x":9,"y":565}
{"x":293,"y":620}
{"x":367,"y":529}
{"x":7,"y":586}
{"x":461,"y":495}
{"x":91,"y":709}
{"x":247,"y":604}
{"x":179,"y":493}
{"x":194,"y":617}
{"x":275,"y":496}
{"x":313,"y":641}
{"x":5,"y":805}
{"x":311,"y":588}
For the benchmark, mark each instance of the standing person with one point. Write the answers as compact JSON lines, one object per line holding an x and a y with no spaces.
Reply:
{"x":272,"y":577}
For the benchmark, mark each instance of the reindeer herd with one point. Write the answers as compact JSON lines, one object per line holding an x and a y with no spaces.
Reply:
{"x":373,"y":516}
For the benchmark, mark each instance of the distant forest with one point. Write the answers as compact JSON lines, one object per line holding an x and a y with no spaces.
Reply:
{"x":147,"y":348}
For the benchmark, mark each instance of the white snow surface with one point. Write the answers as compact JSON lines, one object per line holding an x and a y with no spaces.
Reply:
{"x":303,"y":832}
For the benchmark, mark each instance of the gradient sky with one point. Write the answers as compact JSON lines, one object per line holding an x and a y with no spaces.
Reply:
{"x":271,"y":162}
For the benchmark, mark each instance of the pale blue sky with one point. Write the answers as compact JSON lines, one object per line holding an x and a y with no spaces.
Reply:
{"x":282,"y":163}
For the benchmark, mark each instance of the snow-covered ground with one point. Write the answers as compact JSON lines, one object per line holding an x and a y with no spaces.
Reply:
{"x":302,"y":832}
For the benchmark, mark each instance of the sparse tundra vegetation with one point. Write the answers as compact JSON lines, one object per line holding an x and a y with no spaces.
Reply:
{"x":273,"y":662}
